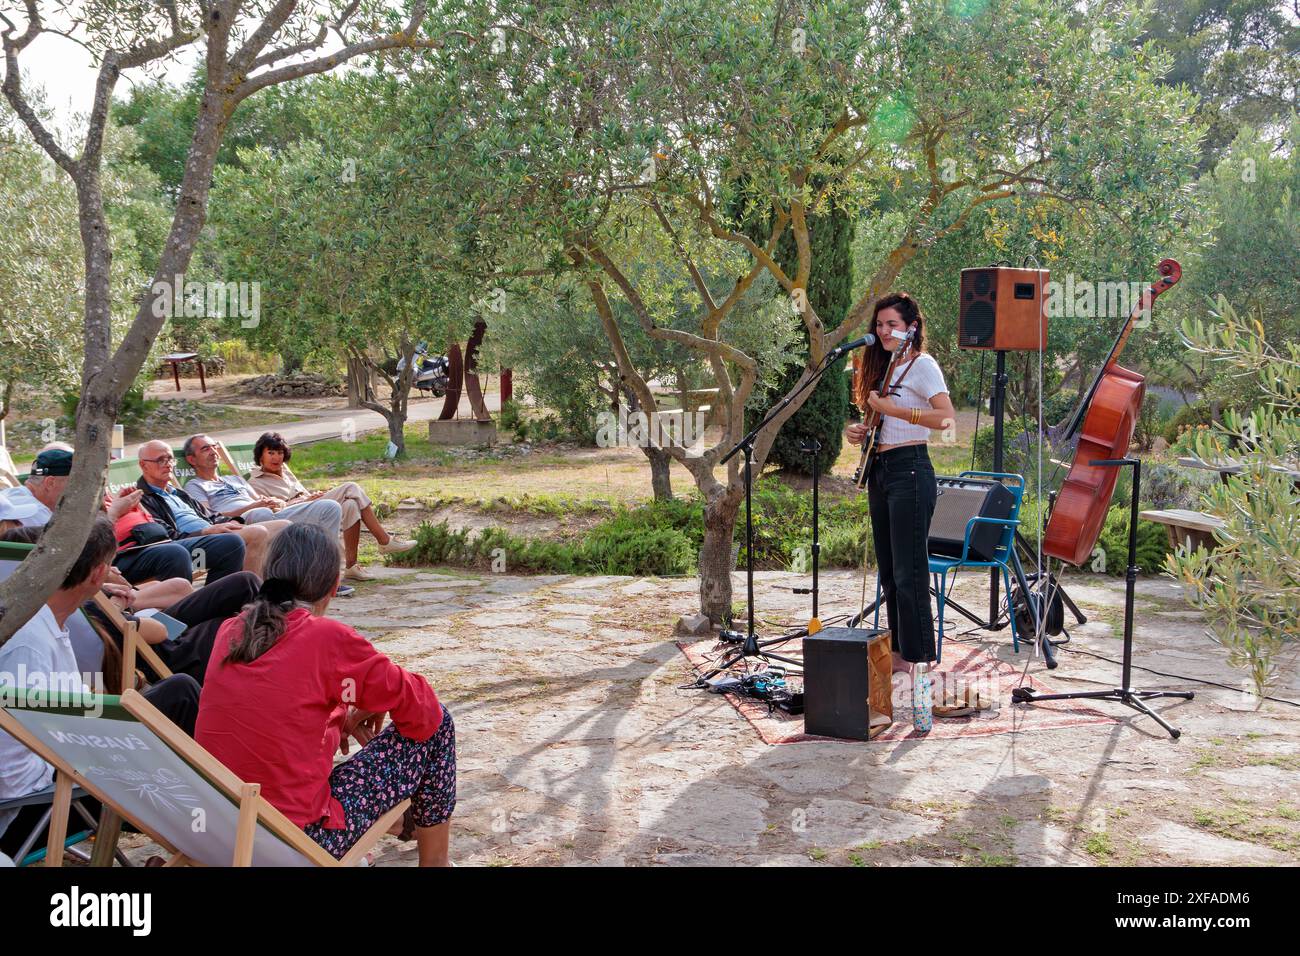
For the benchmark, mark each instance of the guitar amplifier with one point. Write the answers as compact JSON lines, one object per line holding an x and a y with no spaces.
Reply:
{"x":846,"y":682}
{"x":961,"y":499}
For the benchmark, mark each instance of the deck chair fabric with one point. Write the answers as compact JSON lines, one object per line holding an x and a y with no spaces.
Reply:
{"x":130,"y":757}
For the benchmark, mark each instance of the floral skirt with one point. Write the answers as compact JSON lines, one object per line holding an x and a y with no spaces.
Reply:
{"x":386,"y":771}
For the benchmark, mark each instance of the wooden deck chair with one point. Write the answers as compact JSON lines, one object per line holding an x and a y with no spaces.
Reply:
{"x":26,"y":855}
{"x":227,"y":459}
{"x":134,"y":760}
{"x":133,"y":645}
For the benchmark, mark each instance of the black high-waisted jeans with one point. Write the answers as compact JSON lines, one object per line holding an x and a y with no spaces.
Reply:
{"x":901,"y":491}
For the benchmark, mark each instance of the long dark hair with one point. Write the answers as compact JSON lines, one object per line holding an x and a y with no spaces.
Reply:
{"x":301,"y":567}
{"x":870,"y":368}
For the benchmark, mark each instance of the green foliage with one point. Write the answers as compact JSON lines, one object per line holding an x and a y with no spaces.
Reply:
{"x":133,"y":414}
{"x":830,"y":293}
{"x":1152,"y":544}
{"x":1187,"y":416}
{"x":1237,"y":56}
{"x":1150,"y":422}
{"x":1249,"y":586}
{"x":163,"y":116}
{"x":1165,"y":486}
{"x":512,"y":419}
{"x":42,"y":278}
{"x":660,"y":538}
{"x":241,"y":360}
{"x":618,"y":546}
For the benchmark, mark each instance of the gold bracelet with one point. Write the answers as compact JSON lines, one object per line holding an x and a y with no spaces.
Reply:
{"x":915,"y":416}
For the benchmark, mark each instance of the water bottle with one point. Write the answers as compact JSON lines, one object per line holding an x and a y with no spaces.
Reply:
{"x":922,"y":699}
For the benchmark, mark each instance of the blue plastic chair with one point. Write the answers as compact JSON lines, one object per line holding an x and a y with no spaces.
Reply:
{"x":1004,"y":555}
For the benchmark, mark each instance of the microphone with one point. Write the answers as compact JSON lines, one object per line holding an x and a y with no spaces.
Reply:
{"x":867,"y":339}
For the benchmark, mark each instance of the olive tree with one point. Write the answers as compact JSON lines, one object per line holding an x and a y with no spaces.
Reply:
{"x":691,"y":109}
{"x":247,"y":46}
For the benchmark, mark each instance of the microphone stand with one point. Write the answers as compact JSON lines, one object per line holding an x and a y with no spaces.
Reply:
{"x":1126,"y":693}
{"x":751,"y":646}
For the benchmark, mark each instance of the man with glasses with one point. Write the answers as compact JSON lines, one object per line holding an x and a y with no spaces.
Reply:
{"x":233,"y":497}
{"x":220,"y":545}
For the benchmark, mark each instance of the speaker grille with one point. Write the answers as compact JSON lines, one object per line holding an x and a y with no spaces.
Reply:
{"x":977,"y":326}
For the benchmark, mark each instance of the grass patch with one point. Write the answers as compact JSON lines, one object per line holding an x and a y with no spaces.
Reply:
{"x":327,"y":459}
{"x":1098,"y":846}
{"x":1244,"y":821}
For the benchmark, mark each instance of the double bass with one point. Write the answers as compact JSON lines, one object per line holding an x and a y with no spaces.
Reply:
{"x":1108,"y":415}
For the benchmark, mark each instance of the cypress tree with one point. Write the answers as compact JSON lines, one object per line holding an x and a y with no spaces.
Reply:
{"x":830,"y":289}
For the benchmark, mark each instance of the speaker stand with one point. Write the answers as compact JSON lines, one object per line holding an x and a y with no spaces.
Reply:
{"x":997,"y":407}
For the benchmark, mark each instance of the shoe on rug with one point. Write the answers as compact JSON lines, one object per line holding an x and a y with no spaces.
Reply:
{"x":357,"y":572}
{"x":396,"y":545}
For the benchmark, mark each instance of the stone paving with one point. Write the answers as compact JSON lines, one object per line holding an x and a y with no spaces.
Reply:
{"x":577,"y":745}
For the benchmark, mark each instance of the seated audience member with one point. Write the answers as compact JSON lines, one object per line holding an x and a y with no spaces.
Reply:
{"x":164,"y":559}
{"x":185,"y":519}
{"x":151,"y":594}
{"x":271,"y":477}
{"x":233,"y":497}
{"x":42,"y":649}
{"x":14,"y":514}
{"x":286,"y":687}
{"x":201,"y":611}
{"x":43,"y":487}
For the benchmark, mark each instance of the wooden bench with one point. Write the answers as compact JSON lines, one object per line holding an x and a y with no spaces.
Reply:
{"x":1193,"y":527}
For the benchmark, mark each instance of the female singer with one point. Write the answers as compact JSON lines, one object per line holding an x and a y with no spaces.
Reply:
{"x":901,"y":488}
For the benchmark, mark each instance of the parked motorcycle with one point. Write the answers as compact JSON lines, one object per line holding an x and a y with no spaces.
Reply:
{"x":431,"y":372}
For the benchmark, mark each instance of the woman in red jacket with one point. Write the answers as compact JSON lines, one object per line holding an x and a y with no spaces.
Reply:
{"x":286,"y":687}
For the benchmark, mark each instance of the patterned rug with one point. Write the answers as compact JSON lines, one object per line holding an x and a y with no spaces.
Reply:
{"x":964,"y":665}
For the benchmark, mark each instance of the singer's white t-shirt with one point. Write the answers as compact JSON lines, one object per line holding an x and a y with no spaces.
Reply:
{"x":923,"y":381}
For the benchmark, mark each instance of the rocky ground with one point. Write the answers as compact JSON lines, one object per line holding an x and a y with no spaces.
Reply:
{"x":577,"y":745}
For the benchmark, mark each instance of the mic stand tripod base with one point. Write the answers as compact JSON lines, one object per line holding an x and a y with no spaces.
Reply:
{"x":1122,"y":695}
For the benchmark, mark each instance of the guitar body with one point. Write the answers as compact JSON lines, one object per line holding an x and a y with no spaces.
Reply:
{"x":1110,"y":413}
{"x":1084,"y":498}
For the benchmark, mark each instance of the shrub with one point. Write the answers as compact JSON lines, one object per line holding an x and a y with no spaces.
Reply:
{"x":1197,"y":413}
{"x":1152,"y":544}
{"x":511,"y":419}
{"x":1150,"y":422}
{"x":133,"y":414}
{"x":240,"y":359}
{"x":845,"y":545}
